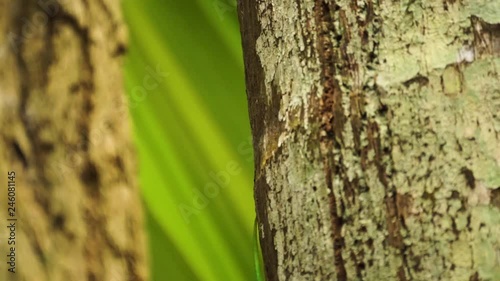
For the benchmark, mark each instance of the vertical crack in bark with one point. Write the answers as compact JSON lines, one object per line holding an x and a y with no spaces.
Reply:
{"x":338,"y":240}
{"x":332,"y":124}
{"x":337,"y":61}
{"x":395,"y":217}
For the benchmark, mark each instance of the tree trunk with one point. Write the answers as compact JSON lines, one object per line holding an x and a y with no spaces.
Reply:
{"x":376,"y":131}
{"x":65,"y":134}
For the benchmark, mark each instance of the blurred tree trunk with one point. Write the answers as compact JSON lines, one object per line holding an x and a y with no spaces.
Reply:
{"x":65,"y":133}
{"x":376,"y":131}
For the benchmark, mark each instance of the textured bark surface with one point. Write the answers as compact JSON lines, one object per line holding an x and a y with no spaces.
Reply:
{"x":376,"y":131}
{"x":65,"y":132}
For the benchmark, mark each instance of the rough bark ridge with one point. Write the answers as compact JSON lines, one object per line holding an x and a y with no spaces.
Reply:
{"x":376,"y":133}
{"x":65,"y":132}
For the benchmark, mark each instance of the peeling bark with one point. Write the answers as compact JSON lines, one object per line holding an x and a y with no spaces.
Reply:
{"x":65,"y":132}
{"x":377,"y":137}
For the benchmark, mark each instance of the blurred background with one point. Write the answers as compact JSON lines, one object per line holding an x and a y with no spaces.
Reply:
{"x":185,"y":82}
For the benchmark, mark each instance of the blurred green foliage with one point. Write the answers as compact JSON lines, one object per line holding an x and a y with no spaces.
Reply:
{"x":185,"y":80}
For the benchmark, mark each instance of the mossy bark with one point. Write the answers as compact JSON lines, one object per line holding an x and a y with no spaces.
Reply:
{"x":65,"y":132}
{"x":376,"y":131}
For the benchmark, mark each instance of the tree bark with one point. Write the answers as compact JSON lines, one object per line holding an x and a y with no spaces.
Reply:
{"x":376,"y":131}
{"x":65,"y":133}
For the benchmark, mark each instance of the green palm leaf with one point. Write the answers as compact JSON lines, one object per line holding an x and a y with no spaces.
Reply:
{"x":189,"y":124}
